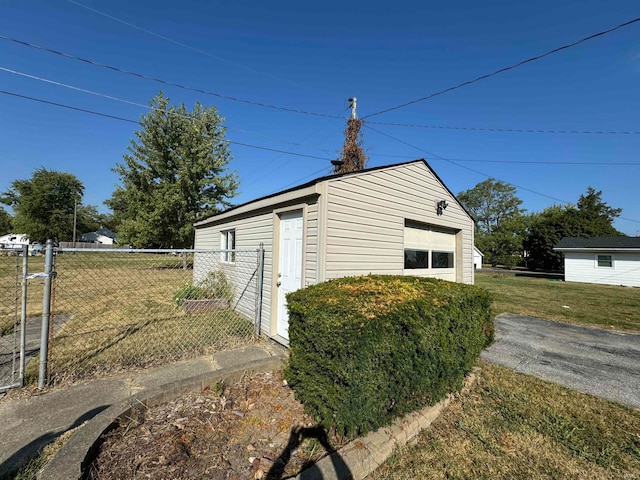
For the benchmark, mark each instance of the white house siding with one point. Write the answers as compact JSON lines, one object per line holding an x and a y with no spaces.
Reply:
{"x":366,"y":216}
{"x":311,"y":245}
{"x":582,"y":267}
{"x":250,"y":230}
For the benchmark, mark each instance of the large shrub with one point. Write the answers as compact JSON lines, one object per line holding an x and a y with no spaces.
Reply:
{"x":365,"y":350}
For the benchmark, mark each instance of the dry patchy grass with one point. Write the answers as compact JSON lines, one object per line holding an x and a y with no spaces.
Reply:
{"x":121,"y":314}
{"x":589,"y":304}
{"x":512,"y":426}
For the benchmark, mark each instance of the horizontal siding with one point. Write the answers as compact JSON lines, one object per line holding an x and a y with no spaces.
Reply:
{"x":581,"y":267}
{"x":250,"y":232}
{"x":311,"y":246}
{"x":366,"y":216}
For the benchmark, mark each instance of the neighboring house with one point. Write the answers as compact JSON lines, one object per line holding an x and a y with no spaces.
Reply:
{"x":13,"y":241}
{"x":102,"y":235}
{"x":606,"y":260}
{"x":398,"y":219}
{"x":478,"y":257}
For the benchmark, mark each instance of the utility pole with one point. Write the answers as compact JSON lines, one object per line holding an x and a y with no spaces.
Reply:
{"x":352,"y":157}
{"x":353,"y":106}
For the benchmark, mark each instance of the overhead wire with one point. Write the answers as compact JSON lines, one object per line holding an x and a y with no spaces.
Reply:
{"x":163,"y":82}
{"x":298,"y":111}
{"x":477,"y":171}
{"x":184,"y":45}
{"x":148,"y":107}
{"x":507,"y":130}
{"x":114,"y":117}
{"x":141,"y":105}
{"x":123,"y":119}
{"x":506,"y":69}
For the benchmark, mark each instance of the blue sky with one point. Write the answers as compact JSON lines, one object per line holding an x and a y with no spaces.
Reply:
{"x":312,"y":56}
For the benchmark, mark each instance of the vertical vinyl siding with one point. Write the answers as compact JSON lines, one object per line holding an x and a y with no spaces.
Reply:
{"x":250,"y":230}
{"x":366,"y":217}
{"x":582,"y":267}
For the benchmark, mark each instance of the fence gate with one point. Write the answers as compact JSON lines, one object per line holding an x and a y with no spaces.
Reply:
{"x":13,"y":311}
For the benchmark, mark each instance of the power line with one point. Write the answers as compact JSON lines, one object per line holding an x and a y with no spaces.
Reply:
{"x":477,"y":171}
{"x":509,"y":130}
{"x":164,"y":82}
{"x":518,"y":162}
{"x":141,"y":105}
{"x":69,"y":107}
{"x":122,"y":119}
{"x":505,"y":69}
{"x":184,"y":45}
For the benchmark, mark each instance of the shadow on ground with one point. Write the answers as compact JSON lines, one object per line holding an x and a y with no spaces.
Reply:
{"x":31,"y":450}
{"x":310,"y":470}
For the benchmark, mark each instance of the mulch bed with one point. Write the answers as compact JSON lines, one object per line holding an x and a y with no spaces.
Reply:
{"x":252,"y":429}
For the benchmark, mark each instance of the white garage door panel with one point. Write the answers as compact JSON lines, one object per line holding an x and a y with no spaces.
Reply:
{"x":442,"y":241}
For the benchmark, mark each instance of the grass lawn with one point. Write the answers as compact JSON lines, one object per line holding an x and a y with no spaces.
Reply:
{"x":121,"y":313}
{"x":600,"y":305}
{"x":512,"y":426}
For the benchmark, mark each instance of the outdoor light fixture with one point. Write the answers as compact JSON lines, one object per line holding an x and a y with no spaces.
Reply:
{"x":441,"y":205}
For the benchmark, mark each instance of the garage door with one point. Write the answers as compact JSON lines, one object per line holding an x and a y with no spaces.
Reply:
{"x":430,"y":252}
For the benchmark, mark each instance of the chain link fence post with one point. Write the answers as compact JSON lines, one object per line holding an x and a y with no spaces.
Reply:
{"x":23,"y":312}
{"x":46,"y":313}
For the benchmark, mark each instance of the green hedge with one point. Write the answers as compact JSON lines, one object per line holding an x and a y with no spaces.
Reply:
{"x":365,"y":350}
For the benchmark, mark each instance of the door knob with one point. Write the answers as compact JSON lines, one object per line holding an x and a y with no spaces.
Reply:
{"x":278,"y":284}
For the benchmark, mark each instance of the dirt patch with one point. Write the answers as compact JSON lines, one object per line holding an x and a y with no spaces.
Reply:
{"x":252,"y":429}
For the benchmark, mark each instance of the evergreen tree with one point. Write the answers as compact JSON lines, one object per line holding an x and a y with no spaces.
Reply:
{"x":174,"y":175}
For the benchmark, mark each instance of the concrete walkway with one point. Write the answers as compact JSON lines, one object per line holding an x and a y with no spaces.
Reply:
{"x":10,"y":347}
{"x":601,"y":362}
{"x":28,"y":424}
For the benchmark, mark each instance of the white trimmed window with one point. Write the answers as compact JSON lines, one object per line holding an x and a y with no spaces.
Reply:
{"x":228,"y":242}
{"x":604,"y":261}
{"x":442,"y":259}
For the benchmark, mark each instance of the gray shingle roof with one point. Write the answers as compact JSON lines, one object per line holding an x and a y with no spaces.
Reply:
{"x":598,"y":242}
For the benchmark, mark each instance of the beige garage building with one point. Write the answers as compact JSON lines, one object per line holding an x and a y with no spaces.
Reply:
{"x":398,"y":219}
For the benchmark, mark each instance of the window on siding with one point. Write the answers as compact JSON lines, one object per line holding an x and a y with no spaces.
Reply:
{"x":441,"y":259}
{"x":604,"y":261}
{"x":228,"y":242}
{"x":416,"y":259}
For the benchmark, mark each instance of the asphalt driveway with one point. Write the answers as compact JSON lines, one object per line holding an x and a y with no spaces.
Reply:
{"x":592,"y":360}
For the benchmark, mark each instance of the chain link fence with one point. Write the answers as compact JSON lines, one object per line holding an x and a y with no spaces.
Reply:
{"x":114,"y":310}
{"x":10,"y":294}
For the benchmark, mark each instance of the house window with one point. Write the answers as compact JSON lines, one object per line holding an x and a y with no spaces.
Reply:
{"x":416,"y":259}
{"x":228,"y":242}
{"x":441,"y":259}
{"x":605,"y":261}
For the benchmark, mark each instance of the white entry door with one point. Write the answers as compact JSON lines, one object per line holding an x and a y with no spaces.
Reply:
{"x":289,"y":275}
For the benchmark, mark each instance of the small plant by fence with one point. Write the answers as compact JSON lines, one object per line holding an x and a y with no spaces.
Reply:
{"x":114,"y":310}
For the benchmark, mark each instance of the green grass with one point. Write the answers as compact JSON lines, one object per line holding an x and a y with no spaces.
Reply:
{"x":121,"y":314}
{"x":512,"y":426}
{"x":599,"y":305}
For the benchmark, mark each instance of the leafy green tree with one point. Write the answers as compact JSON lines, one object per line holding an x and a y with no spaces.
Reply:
{"x":44,"y":204}
{"x":500,"y":223}
{"x":591,"y":217}
{"x":6,"y":222}
{"x":90,"y":220}
{"x":173,"y":175}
